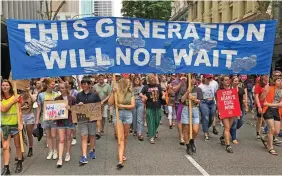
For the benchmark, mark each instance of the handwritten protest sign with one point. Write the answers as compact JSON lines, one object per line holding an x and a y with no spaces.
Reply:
{"x":86,"y":112}
{"x":228,"y":103}
{"x":55,"y":110}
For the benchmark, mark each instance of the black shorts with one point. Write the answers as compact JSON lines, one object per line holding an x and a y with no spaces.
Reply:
{"x":272,"y":113}
{"x":258,"y":114}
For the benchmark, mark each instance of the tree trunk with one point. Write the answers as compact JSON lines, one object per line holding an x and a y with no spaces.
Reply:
{"x":47,"y":10}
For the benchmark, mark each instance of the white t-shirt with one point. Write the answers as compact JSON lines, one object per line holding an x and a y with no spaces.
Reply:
{"x":208,"y":91}
{"x":214,"y":84}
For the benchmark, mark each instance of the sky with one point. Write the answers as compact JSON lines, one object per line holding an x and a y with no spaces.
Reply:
{"x":117,"y":4}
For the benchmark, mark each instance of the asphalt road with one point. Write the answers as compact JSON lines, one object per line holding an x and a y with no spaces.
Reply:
{"x":165,"y":157}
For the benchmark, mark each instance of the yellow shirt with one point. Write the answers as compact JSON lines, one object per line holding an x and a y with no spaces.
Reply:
{"x":10,"y":117}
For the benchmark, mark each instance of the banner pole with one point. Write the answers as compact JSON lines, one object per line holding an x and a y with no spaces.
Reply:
{"x":117,"y":112}
{"x":19,"y":118}
{"x":190,"y":107}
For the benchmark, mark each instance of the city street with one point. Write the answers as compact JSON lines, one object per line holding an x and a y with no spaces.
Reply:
{"x":165,"y":157}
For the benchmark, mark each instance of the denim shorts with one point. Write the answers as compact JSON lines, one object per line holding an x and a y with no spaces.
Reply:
{"x":66,"y":127}
{"x":125,"y":116}
{"x":49,"y":124}
{"x":13,"y":132}
{"x":29,"y":119}
{"x":195,"y":115}
{"x":88,"y":128}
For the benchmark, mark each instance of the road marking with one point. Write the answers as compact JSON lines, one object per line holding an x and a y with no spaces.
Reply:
{"x":202,"y":170}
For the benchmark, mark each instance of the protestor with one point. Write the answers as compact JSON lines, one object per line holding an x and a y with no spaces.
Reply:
{"x":195,"y":95}
{"x":138,"y":111}
{"x":49,"y":126}
{"x":28,"y":116}
{"x":66,"y":126}
{"x":10,"y":126}
{"x":152,"y":94}
{"x":126,"y":104}
{"x":272,"y":97}
{"x":238,"y":121}
{"x":179,"y":84}
{"x":207,"y":104}
{"x":104,"y":90}
{"x":87,"y":129}
{"x":259,"y":89}
{"x":227,"y":122}
{"x":214,"y":84}
{"x":170,"y":100}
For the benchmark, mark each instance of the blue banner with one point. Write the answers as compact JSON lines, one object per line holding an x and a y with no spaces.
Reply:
{"x":131,"y":45}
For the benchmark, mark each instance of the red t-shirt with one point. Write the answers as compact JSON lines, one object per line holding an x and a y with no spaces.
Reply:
{"x":259,"y":90}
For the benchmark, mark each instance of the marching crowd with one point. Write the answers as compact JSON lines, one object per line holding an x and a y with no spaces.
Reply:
{"x":142,"y":101}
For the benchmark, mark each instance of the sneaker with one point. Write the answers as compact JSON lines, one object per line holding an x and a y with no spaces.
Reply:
{"x":152,"y":140}
{"x":181,"y":141}
{"x":157,"y":134}
{"x":6,"y":171}
{"x":222,"y":140}
{"x":73,"y":142}
{"x":92,"y":155}
{"x":207,"y":138}
{"x":55,"y":154}
{"x":229,"y":149}
{"x":49,"y":156}
{"x":59,"y":163}
{"x":214,"y":131}
{"x":276,"y":141}
{"x":30,"y":153}
{"x":98,"y":136}
{"x":189,"y":149}
{"x":258,"y":137}
{"x":170,"y":126}
{"x":67,"y":158}
{"x":83,"y":161}
{"x":19,"y":167}
{"x":192,"y":144}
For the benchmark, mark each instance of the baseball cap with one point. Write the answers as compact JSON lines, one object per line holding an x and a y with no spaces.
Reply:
{"x":207,"y":75}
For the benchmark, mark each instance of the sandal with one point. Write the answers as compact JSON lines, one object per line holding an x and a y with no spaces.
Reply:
{"x":235,"y":142}
{"x":273,"y":152}
{"x":264,"y":142}
{"x":120,"y":165}
{"x":222,"y":140}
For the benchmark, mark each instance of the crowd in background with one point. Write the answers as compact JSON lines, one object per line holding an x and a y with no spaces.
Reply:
{"x":143,"y":100}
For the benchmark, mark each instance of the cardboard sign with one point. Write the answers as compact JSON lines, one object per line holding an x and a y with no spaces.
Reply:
{"x":228,"y":103}
{"x":86,"y":112}
{"x":21,"y":84}
{"x":55,"y":110}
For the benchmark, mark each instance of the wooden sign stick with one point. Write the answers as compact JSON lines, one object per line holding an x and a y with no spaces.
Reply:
{"x":118,"y":124}
{"x":19,"y":117}
{"x":190,"y":106}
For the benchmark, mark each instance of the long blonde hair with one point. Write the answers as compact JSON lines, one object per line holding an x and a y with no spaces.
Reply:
{"x":124,"y":87}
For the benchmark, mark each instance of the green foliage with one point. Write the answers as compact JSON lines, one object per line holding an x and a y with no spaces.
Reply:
{"x":158,"y":10}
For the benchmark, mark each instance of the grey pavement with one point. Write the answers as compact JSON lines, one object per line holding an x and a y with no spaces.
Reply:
{"x":165,"y":157}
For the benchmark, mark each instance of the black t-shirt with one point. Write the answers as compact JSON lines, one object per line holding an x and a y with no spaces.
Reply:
{"x":241,"y":93}
{"x":91,"y":97}
{"x":154,"y":95}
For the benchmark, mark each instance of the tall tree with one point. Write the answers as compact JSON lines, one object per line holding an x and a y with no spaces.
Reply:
{"x":158,"y":10}
{"x":48,"y":10}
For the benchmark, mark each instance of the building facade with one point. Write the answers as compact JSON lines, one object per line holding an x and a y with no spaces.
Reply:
{"x":179,"y":11}
{"x":222,"y":11}
{"x":96,"y":8}
{"x":26,"y":10}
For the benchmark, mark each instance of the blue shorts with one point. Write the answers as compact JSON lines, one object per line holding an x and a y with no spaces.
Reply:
{"x":66,"y":127}
{"x":48,"y":124}
{"x":195,"y":115}
{"x":13,"y":132}
{"x":125,"y":116}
